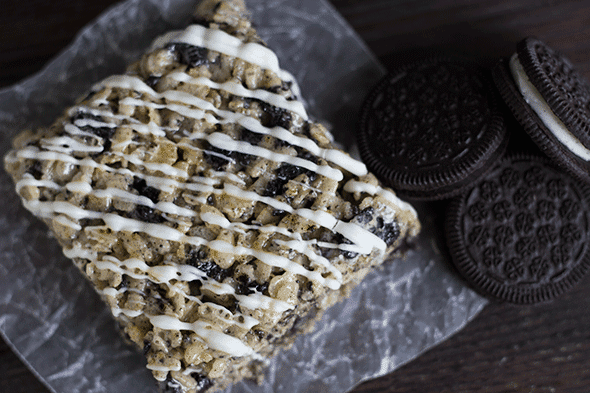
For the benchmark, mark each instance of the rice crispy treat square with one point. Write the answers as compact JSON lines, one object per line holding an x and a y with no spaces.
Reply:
{"x":210,"y":213}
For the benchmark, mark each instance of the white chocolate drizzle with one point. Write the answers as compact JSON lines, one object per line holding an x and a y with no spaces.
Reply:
{"x":353,"y":186}
{"x":238,"y":90}
{"x":213,"y":338}
{"x":220,"y":41}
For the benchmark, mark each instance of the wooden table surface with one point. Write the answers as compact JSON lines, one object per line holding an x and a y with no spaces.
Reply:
{"x":543,"y":348}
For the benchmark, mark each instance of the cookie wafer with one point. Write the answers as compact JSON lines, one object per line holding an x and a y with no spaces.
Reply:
{"x":521,"y":233}
{"x":551,"y":100}
{"x":429,"y":129}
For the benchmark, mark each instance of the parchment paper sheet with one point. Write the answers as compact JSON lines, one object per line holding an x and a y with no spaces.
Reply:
{"x":61,"y":329}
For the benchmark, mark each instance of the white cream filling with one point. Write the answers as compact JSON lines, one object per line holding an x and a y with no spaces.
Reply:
{"x":538,"y":104}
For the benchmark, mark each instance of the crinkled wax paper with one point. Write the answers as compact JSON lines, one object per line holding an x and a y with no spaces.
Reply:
{"x":62,"y":330}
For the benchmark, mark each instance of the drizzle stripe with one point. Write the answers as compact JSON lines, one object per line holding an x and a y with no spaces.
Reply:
{"x":239,"y":90}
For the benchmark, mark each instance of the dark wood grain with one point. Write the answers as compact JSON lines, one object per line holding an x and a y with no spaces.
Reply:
{"x":545,"y":348}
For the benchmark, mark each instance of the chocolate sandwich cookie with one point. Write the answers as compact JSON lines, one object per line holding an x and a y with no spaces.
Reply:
{"x":551,"y":100}
{"x":430,"y":129}
{"x":521,"y":233}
